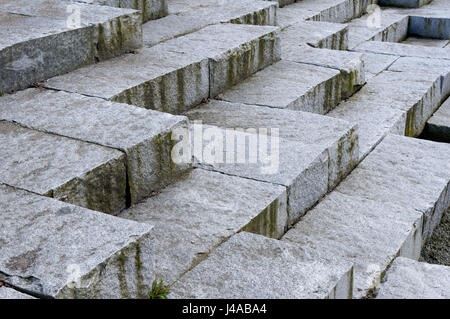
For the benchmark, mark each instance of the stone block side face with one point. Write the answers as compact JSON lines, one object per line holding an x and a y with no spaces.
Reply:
{"x":234,"y":66}
{"x":151,"y":166}
{"x":101,"y":189}
{"x":403,"y":3}
{"x":343,"y":157}
{"x":174,"y":92}
{"x":73,"y":50}
{"x":117,"y":36}
{"x":272,"y":221}
{"x":128,"y":274}
{"x":264,"y":16}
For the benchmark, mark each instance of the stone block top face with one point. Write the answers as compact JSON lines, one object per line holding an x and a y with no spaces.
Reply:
{"x":10,"y":293}
{"x":214,"y":40}
{"x":44,"y":239}
{"x":410,"y":279}
{"x":442,"y":116}
{"x":258,"y":267}
{"x":90,"y":119}
{"x":41,"y":162}
{"x":57,"y":10}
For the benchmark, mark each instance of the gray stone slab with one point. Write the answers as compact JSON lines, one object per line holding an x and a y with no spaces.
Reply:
{"x":374,"y":120}
{"x":374,"y":64}
{"x":350,"y":64}
{"x":54,"y":249}
{"x":439,"y":124}
{"x":416,"y":93}
{"x":178,"y":74}
{"x":247,"y":49}
{"x":187,"y":16}
{"x":154,"y":79}
{"x":369,"y":234}
{"x":337,"y":11}
{"x":410,"y":279}
{"x":302,"y":168}
{"x":403,"y":50}
{"x":144,"y":135}
{"x":252,"y":266}
{"x":150,"y":9}
{"x":9,"y":293}
{"x":195,"y":215}
{"x":77,"y":172}
{"x":431,"y":26}
{"x":324,"y":35}
{"x":410,"y":172}
{"x":426,"y":66}
{"x":393,"y":28}
{"x":384,"y":209}
{"x":290,"y":85}
{"x":32,"y":51}
{"x":338,"y":137}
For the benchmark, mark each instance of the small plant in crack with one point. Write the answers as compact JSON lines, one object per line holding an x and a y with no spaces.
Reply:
{"x":159,"y":291}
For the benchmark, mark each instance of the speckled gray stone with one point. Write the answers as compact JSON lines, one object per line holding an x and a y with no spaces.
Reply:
{"x":187,"y":16}
{"x":160,"y":80}
{"x":77,"y":172}
{"x":247,"y":49}
{"x":350,"y":64}
{"x":374,"y":63}
{"x":374,"y":119}
{"x":426,"y":42}
{"x":289,"y":85}
{"x":39,"y":44}
{"x":48,"y":244}
{"x":323,"y":35}
{"x":410,"y":279}
{"x":439,"y":67}
{"x":384,"y":209}
{"x":144,"y":135}
{"x":338,"y":11}
{"x":394,"y":28}
{"x":195,"y":215}
{"x":302,"y":168}
{"x":252,"y":266}
{"x":400,"y":49}
{"x":150,"y":9}
{"x":9,"y":293}
{"x":338,"y":137}
{"x":417,"y":94}
{"x":439,"y":124}
{"x":409,"y":172}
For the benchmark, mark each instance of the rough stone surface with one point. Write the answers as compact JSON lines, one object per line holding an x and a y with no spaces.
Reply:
{"x":252,"y":266}
{"x":400,"y":49}
{"x":302,"y":168}
{"x":409,"y":279}
{"x":179,"y":74}
{"x":384,"y":209}
{"x":9,"y":293}
{"x":437,"y":248}
{"x":426,"y":42}
{"x":144,"y":135}
{"x":195,"y":215}
{"x":350,"y":64}
{"x":338,"y":137}
{"x":324,"y":35}
{"x":187,"y":16}
{"x":39,"y":43}
{"x":289,"y":85}
{"x":393,"y":28}
{"x":247,"y":49}
{"x":77,"y":172}
{"x":47,"y":245}
{"x":374,"y":64}
{"x":150,"y":9}
{"x":438,"y":126}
